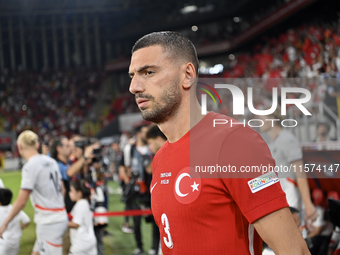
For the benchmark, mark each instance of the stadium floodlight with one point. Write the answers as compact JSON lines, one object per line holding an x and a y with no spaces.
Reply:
{"x":194,"y":28}
{"x":189,"y":9}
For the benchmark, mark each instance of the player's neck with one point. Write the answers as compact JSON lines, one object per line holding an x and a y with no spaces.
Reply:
{"x":30,"y":153}
{"x":274,"y":132}
{"x":186,"y":117}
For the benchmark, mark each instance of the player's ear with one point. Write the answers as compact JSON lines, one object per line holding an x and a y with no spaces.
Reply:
{"x":19,"y":146}
{"x":37,"y":145}
{"x":190,"y":75}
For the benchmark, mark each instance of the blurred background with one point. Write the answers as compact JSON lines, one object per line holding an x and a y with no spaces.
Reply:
{"x":64,"y":64}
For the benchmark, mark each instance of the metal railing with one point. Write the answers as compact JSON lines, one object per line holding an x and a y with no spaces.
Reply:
{"x":318,"y":114}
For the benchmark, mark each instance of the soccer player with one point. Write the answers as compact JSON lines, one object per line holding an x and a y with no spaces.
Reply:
{"x":204,"y":215}
{"x":286,"y":150}
{"x":41,"y":181}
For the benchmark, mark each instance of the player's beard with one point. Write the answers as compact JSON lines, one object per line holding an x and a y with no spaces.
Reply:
{"x":164,"y":108}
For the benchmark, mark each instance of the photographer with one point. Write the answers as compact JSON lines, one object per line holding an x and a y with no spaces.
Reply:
{"x":138,"y":161}
{"x":61,"y":151}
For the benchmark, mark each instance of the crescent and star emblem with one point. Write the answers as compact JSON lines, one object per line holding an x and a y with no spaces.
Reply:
{"x":178,"y":192}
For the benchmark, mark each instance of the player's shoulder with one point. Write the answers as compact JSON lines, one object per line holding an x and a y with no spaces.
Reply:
{"x":40,"y":160}
{"x":222,"y":127}
{"x":82,"y":205}
{"x":287,"y":137}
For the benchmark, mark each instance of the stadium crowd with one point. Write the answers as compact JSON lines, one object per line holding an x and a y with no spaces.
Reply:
{"x":49,"y":103}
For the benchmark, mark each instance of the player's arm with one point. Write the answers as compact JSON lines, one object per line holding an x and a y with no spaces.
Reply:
{"x":24,"y":225}
{"x":18,"y":205}
{"x":77,"y":166}
{"x":24,"y":219}
{"x":71,"y":224}
{"x":301,"y":179}
{"x":123,"y":174}
{"x":279,"y":231}
{"x":63,"y":190}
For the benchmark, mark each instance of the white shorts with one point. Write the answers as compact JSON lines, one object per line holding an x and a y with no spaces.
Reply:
{"x":92,"y":251}
{"x":50,"y":238}
{"x":9,"y":249}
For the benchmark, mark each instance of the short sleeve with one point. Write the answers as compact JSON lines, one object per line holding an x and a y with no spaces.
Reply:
{"x":245,"y":147}
{"x":291,"y":148}
{"x":24,"y":217}
{"x":28,"y":177}
{"x":78,"y":211}
{"x":63,"y":171}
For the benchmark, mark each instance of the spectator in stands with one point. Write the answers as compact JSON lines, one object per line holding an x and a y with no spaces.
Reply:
{"x":332,"y":93}
{"x":322,"y":132}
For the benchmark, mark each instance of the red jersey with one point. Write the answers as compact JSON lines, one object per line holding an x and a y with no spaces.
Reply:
{"x":211,"y":215}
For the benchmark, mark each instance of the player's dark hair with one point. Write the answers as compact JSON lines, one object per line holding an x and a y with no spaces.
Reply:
{"x":82,"y":186}
{"x":178,"y":46}
{"x":293,"y":210}
{"x":154,"y":132}
{"x":5,"y":196}
{"x":56,"y":143}
{"x":138,"y":129}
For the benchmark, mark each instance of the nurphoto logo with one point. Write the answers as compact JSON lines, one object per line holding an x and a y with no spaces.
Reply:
{"x":238,"y":103}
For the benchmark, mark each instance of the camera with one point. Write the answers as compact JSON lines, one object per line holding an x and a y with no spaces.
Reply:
{"x":97,"y":152}
{"x":82,"y":143}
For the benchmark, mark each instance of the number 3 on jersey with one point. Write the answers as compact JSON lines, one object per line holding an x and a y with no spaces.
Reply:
{"x":168,"y":241}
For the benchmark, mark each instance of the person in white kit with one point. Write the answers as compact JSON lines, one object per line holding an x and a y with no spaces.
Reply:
{"x":287,"y":152}
{"x":41,"y":181}
{"x":83,"y":239}
{"x":10,"y":243}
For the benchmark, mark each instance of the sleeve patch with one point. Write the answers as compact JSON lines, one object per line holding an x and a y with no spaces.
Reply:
{"x":263,"y":181}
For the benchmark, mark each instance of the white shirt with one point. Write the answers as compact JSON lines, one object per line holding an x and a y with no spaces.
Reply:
{"x":286,"y":149}
{"x":1,"y":184}
{"x":83,"y":237}
{"x":13,"y":232}
{"x":41,"y":175}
